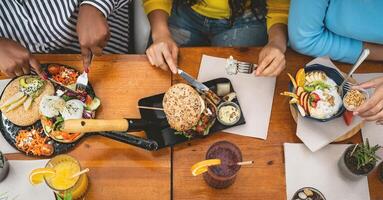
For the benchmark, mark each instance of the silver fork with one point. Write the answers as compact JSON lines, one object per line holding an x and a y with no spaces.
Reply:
{"x":82,"y":80}
{"x":234,"y":66}
{"x":346,"y":85}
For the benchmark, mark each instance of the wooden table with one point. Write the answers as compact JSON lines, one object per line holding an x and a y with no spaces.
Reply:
{"x":120,"y":171}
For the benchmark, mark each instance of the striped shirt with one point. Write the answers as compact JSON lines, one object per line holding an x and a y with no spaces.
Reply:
{"x":48,"y":26}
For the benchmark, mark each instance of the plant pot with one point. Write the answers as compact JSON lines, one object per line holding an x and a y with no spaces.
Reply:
{"x":348,"y":166}
{"x":380,"y":172}
{"x":4,"y":171}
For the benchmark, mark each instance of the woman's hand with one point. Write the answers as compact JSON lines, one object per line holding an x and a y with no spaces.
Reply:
{"x":163,"y":53}
{"x":372,"y":109}
{"x":15,"y":60}
{"x":271,"y":60}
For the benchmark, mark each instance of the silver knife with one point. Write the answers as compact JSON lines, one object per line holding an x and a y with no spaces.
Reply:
{"x":199,"y":86}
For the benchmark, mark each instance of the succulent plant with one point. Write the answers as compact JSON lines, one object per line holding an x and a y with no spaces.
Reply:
{"x":365,"y":154}
{"x":2,"y":160}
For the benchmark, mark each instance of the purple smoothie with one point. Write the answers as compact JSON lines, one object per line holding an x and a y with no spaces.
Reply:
{"x":222,"y":176}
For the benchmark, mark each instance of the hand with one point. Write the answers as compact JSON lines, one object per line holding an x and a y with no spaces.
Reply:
{"x":93,"y":33}
{"x":15,"y":59}
{"x":372,"y":109}
{"x":163,"y":53}
{"x":271,"y":60}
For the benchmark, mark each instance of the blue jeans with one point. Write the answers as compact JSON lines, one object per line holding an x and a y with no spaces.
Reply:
{"x":190,"y":28}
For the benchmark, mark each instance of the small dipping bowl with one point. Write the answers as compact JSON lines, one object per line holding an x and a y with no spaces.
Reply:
{"x":231,"y":104}
{"x":301,"y":194}
{"x":352,"y":107}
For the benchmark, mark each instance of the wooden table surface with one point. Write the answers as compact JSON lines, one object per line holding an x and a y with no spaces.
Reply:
{"x":120,"y":171}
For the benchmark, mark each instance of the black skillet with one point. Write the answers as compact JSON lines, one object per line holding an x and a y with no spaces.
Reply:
{"x":153,"y":123}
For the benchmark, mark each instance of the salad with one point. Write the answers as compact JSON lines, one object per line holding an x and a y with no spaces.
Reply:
{"x":315,"y":94}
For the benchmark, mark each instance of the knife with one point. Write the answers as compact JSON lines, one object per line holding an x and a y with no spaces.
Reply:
{"x":200,"y":87}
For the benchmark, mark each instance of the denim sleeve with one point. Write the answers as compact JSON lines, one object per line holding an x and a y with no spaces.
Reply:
{"x":309,"y":35}
{"x":106,"y":6}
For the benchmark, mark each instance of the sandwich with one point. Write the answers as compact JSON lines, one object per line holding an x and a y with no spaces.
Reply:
{"x":188,"y":112}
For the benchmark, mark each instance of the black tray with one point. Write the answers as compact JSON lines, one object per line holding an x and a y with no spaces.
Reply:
{"x":163,"y":134}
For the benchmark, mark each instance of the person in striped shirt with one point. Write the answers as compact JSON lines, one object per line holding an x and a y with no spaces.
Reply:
{"x":46,"y":26}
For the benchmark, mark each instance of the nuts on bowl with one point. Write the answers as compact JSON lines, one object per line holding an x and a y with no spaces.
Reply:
{"x":354,"y":98}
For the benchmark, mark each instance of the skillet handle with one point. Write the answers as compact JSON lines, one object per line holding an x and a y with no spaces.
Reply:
{"x":94,"y":125}
{"x":125,"y":137}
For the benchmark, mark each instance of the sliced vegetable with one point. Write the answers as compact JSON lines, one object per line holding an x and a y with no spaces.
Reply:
{"x":15,"y":98}
{"x":16,"y":104}
{"x":28,"y":103}
{"x":94,"y":104}
{"x":348,"y":117}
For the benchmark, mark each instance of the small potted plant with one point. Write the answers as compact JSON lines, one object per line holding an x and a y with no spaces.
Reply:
{"x":4,"y":167}
{"x":380,"y":172}
{"x":359,"y":160}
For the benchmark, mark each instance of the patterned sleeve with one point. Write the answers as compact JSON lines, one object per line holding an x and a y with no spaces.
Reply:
{"x":106,"y":6}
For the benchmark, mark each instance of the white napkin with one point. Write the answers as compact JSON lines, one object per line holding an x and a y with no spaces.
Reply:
{"x":371,"y":130}
{"x":5,"y":147}
{"x":255,"y":95}
{"x":17,"y":186}
{"x":316,"y":134}
{"x":320,"y":170}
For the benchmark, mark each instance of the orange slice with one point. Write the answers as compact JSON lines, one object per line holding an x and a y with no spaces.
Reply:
{"x":300,"y":77}
{"x":202,"y":167}
{"x":37,"y":175}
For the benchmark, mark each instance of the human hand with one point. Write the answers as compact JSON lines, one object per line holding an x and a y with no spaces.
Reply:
{"x":93,"y":33}
{"x":372,"y":109}
{"x":15,"y":60}
{"x":163,"y":53}
{"x":271,"y":60}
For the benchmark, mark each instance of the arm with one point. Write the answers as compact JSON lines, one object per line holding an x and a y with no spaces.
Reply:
{"x":106,"y":6}
{"x":163,"y":52}
{"x":15,"y":59}
{"x":271,"y":58}
{"x":309,"y":35}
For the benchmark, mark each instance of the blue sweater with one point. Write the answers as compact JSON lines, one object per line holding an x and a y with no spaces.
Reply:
{"x":335,"y":28}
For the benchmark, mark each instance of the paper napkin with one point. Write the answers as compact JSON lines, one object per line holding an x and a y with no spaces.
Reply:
{"x":316,"y":135}
{"x":17,"y":186}
{"x":320,"y":170}
{"x":255,"y":95}
{"x":4,"y":146}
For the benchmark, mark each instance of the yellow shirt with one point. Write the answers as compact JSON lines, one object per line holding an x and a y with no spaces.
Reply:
{"x":278,"y":10}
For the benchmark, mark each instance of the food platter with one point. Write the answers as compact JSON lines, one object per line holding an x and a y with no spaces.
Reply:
{"x":11,"y":131}
{"x":295,"y":113}
{"x":166,"y":136}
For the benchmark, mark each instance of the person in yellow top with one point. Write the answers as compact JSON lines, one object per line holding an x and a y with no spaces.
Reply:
{"x":236,"y":23}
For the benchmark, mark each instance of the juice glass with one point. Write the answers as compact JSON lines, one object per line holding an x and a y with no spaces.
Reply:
{"x":62,"y":183}
{"x":223,"y":175}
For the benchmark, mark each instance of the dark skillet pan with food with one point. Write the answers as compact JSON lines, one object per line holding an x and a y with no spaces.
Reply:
{"x":164,"y":128}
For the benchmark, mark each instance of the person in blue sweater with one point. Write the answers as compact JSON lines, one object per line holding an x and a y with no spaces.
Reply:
{"x":339,"y":29}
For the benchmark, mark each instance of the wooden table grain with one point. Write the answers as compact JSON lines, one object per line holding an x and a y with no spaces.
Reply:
{"x":266,"y":178}
{"x":117,"y":170}
{"x":120,"y":171}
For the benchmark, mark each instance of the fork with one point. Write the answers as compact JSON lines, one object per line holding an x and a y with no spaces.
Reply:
{"x":234,"y":66}
{"x":82,"y":80}
{"x":346,"y":85}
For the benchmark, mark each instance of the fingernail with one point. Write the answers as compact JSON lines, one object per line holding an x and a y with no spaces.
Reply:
{"x":355,"y":113}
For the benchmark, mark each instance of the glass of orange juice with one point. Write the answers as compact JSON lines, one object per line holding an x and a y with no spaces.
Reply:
{"x":63,"y":182}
